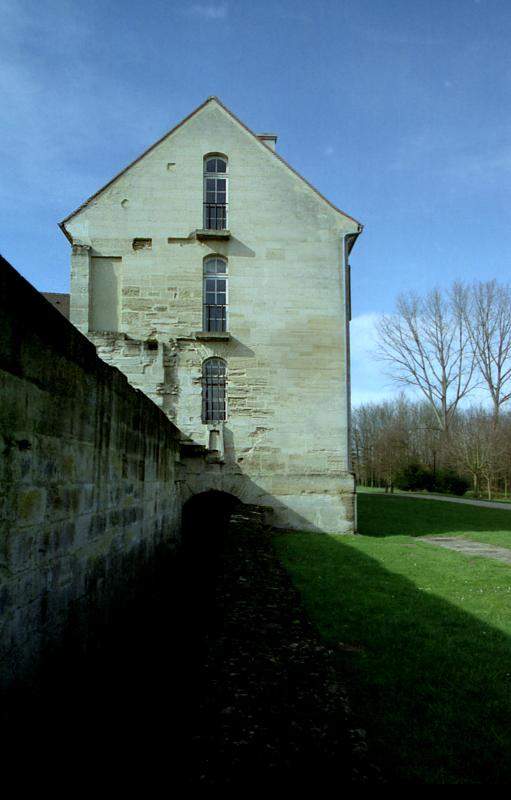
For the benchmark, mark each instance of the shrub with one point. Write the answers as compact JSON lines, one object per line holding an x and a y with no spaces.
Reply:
{"x":415,"y":477}
{"x":448,"y":481}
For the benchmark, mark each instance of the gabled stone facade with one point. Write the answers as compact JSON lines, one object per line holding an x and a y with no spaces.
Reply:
{"x":137,"y":291}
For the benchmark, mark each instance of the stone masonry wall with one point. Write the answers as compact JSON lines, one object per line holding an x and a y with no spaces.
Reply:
{"x":88,"y":469}
{"x":286,"y":437}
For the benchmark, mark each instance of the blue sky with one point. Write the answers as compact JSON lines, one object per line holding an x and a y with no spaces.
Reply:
{"x":397,"y":110}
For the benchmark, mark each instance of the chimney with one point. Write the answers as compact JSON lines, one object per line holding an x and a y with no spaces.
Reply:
{"x":269,"y":139}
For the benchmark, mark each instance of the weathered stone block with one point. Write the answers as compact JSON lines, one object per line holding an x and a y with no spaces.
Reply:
{"x":31,"y":505}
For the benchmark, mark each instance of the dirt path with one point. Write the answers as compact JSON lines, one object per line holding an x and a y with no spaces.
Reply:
{"x":274,"y":709}
{"x":469,"y":547}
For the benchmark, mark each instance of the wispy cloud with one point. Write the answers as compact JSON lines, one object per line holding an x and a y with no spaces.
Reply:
{"x":446,"y":158}
{"x":486,"y":166}
{"x":209,"y":10}
{"x":379,"y":34}
{"x":292,"y":15}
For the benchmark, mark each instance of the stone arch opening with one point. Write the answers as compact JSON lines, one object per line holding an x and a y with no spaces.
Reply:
{"x":204,"y":525}
{"x":205,"y":516}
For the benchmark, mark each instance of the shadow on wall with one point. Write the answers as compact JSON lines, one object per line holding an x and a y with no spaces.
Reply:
{"x":98,"y":666}
{"x":90,"y":468}
{"x":127,"y":671}
{"x":235,"y":247}
{"x":170,"y":388}
{"x":229,"y":477}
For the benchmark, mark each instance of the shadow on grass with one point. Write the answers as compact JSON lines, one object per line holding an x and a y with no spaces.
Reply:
{"x":430,"y":682}
{"x":384,"y":515}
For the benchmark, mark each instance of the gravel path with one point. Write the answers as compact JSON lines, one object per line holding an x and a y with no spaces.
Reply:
{"x":468,"y":547}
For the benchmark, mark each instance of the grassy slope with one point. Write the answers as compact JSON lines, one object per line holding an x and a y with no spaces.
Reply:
{"x":424,"y":633}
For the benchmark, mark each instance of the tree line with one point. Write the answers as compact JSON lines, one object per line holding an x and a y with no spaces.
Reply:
{"x":447,"y":346}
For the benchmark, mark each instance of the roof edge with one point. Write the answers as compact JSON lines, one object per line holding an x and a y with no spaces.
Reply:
{"x":286,"y":164}
{"x":212,"y":98}
{"x":131,"y":164}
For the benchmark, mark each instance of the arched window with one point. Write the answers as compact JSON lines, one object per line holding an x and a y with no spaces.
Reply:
{"x":215,"y":192}
{"x":215,"y":294}
{"x":214,"y":405}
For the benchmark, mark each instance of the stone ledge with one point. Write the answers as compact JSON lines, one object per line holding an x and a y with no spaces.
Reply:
{"x":213,"y":335}
{"x":208,"y":234}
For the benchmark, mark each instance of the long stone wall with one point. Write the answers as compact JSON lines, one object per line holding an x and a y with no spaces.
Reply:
{"x":90,"y":497}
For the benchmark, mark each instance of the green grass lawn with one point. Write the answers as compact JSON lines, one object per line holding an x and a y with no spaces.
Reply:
{"x":467,"y":496}
{"x":423,"y":633}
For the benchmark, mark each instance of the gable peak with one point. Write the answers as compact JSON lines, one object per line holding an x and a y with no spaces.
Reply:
{"x":267,"y":139}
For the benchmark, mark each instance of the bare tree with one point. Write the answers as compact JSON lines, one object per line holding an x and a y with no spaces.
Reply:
{"x":427,"y":346}
{"x":481,"y":448}
{"x":486,"y":310}
{"x":390,"y":436}
{"x":387,"y":436}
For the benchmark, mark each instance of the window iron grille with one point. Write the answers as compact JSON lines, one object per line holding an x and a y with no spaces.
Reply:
{"x":215,"y":216}
{"x":214,"y":402}
{"x":215,"y":294}
{"x":215,"y":194}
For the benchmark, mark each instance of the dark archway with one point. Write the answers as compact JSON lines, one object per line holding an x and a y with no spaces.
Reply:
{"x":204,"y":519}
{"x":204,"y":526}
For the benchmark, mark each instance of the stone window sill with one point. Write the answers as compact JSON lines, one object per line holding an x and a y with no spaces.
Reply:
{"x":213,"y":335}
{"x":210,"y":234}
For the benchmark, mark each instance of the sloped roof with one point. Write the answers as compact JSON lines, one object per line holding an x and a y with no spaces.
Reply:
{"x":212,"y":99}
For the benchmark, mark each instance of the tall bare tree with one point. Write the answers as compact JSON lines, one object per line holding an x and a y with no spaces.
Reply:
{"x":486,"y":310}
{"x":427,"y":346}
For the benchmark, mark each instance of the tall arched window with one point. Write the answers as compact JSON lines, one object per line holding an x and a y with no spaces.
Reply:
{"x":214,"y":403}
{"x":215,"y":192}
{"x":215,"y":294}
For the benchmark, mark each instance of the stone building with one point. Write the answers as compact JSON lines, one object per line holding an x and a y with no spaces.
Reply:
{"x":217,"y":279}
